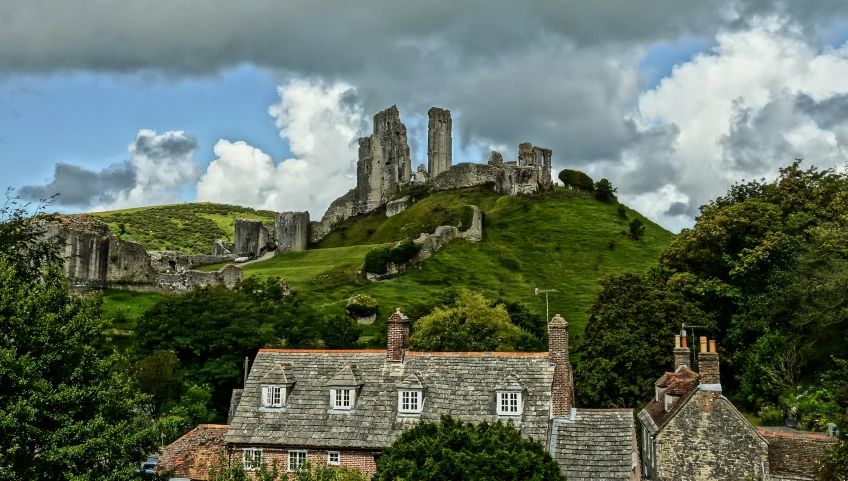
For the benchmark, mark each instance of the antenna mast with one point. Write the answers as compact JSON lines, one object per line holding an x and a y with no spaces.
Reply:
{"x":547,"y":307}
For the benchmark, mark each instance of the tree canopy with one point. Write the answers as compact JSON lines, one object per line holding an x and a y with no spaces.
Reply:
{"x":576,"y":180}
{"x":452,"y":449}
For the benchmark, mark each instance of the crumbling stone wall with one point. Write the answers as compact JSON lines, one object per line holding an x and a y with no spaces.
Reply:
{"x":228,"y":276}
{"x":248,"y":235}
{"x":128,"y":262}
{"x":709,"y":440}
{"x":342,"y":208}
{"x":163,"y":261}
{"x":86,"y":249}
{"x":384,"y":162}
{"x":439,"y":141}
{"x":292,"y":231}
{"x":496,"y":159}
{"x":395,"y":207}
{"x":222,"y":248}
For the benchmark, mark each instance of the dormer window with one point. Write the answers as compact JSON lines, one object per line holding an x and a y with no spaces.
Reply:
{"x":276,"y":386}
{"x":509,"y":403}
{"x":409,"y":402}
{"x":342,"y":399}
{"x":273,"y":396}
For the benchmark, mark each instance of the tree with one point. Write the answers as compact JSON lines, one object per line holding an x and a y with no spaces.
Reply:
{"x":576,"y":180}
{"x":471,"y":324}
{"x":211,"y":330}
{"x":604,"y":191}
{"x":341,"y":332}
{"x":451,"y":449}
{"x":637,"y":228}
{"x":627,"y":344}
{"x":68,"y":409}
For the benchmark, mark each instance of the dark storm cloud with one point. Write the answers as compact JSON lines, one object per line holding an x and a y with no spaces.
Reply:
{"x":163,"y":147}
{"x":681,"y":209}
{"x":78,"y":187}
{"x":827,"y":113}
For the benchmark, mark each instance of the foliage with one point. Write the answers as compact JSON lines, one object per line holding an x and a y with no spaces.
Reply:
{"x":604,"y":191}
{"x":534,"y":327}
{"x":67,"y":407}
{"x":404,"y":251}
{"x":466,"y":218}
{"x":212,"y":329}
{"x":834,"y":466}
{"x":377,"y":260}
{"x":626,"y":339}
{"x":622,"y":211}
{"x":471,"y":324}
{"x":190,"y":228}
{"x":637,"y":228}
{"x":22,"y":237}
{"x":225,"y":470}
{"x":361,"y":305}
{"x":341,"y":332}
{"x":576,"y":180}
{"x":451,"y":449}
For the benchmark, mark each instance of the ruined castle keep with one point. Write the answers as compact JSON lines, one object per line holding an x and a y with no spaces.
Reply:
{"x":384,"y":167}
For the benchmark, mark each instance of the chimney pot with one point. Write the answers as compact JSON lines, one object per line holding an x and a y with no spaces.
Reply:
{"x":703,"y":344}
{"x":677,"y":342}
{"x":683,"y":342}
{"x":713,"y":346}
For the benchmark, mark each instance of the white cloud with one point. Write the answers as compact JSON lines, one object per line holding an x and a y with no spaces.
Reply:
{"x":742,"y":111}
{"x":162,"y":165}
{"x":321,"y":124}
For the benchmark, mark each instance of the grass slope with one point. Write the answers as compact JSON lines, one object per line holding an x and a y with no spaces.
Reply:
{"x":556,"y":241}
{"x":190,"y":228}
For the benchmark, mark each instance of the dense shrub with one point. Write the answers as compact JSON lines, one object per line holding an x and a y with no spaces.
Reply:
{"x":637,"y":229}
{"x":576,"y":180}
{"x":377,"y":260}
{"x":361,"y":305}
{"x":622,"y":211}
{"x":341,"y":332}
{"x":604,"y":191}
{"x":404,"y":251}
{"x":466,"y":217}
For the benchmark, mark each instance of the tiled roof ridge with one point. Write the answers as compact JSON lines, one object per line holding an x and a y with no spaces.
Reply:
{"x":214,"y":426}
{"x":599,"y":410}
{"x":408,"y":353}
{"x":766,"y":432}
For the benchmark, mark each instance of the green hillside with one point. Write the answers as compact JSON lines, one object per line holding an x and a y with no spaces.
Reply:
{"x":189,"y":228}
{"x":557,"y":240}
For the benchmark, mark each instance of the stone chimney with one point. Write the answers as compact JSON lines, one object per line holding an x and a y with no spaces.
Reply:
{"x":563,"y":387}
{"x":708,"y":363}
{"x":681,"y":353}
{"x":398,"y":336}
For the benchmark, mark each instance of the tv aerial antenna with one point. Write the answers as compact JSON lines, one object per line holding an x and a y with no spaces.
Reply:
{"x":547,"y":306}
{"x":692,"y":350}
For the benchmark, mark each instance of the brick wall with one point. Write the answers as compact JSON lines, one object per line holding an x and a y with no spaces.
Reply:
{"x":795,"y":454}
{"x":360,"y":460}
{"x":398,"y":336}
{"x":193,"y":454}
{"x":709,"y":440}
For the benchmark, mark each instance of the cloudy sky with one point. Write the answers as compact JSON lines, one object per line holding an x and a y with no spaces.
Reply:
{"x":143,"y":102}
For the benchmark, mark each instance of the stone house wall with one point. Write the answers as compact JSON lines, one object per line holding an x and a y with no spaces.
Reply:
{"x":709,"y":440}
{"x":794,"y":455}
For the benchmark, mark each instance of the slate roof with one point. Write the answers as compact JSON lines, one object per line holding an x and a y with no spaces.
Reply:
{"x":598,"y":445}
{"x":460,"y":384}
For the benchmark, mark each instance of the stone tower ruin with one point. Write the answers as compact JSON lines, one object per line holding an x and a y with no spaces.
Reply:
{"x":384,"y":162}
{"x":439,"y":142}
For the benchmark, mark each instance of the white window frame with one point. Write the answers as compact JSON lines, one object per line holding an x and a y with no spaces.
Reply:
{"x":251,"y":458}
{"x":510,"y":400}
{"x":273,"y":395}
{"x":414,"y":402}
{"x":301,"y":458}
{"x":338,"y":401}
{"x":337,"y":455}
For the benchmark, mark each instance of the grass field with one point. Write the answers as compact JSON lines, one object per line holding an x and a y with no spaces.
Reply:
{"x":558,"y":241}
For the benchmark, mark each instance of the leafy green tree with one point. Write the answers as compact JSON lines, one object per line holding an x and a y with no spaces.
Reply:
{"x":451,"y":449}
{"x":68,"y":409}
{"x":341,"y":332}
{"x":604,"y":191}
{"x":637,"y":228}
{"x":211,"y":330}
{"x":576,"y":180}
{"x":627,"y":344}
{"x":471,"y":324}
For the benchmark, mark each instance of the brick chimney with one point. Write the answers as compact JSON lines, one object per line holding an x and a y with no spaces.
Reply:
{"x":708,"y":363}
{"x":563,"y":388}
{"x":398,"y":336}
{"x":681,"y":353}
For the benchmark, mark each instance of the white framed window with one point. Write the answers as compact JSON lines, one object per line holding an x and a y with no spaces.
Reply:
{"x":409,"y":402}
{"x":296,"y":460}
{"x":273,"y":396}
{"x":334,"y":458}
{"x":342,"y":399}
{"x":509,"y":403}
{"x":251,"y":459}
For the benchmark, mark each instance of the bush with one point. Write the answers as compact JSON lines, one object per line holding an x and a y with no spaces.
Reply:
{"x":404,"y":251}
{"x":637,"y":229}
{"x":361,"y":305}
{"x":604,"y":191}
{"x":576,"y":180}
{"x":466,"y":217}
{"x":622,"y":211}
{"x":377,"y":260}
{"x":341,"y":332}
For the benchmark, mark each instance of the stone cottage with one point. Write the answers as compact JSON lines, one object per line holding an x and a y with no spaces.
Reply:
{"x":344,"y":407}
{"x":691,"y":432}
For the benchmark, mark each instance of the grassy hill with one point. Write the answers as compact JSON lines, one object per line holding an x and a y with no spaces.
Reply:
{"x":190,"y":228}
{"x":557,"y":240}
